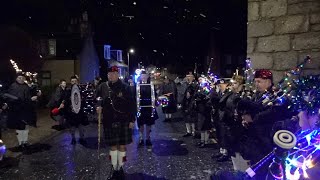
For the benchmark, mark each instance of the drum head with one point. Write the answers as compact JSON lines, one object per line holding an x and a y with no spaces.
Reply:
{"x":75,"y":99}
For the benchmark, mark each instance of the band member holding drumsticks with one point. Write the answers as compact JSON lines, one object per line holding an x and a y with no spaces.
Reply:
{"x":76,"y":120}
{"x":118,"y":110}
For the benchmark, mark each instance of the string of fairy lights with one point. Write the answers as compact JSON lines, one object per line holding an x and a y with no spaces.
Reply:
{"x":18,"y":70}
{"x":153,"y":102}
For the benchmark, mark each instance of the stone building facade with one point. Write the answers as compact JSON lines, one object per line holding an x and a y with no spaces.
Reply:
{"x":281,"y":33}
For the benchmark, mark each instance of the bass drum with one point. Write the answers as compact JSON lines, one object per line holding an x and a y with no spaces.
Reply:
{"x":75,"y":99}
{"x":163,"y":101}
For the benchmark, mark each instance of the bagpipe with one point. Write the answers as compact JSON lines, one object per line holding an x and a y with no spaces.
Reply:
{"x":279,"y":94}
{"x":293,"y":156}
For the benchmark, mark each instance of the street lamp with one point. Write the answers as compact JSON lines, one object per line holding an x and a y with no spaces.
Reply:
{"x":131,"y":51}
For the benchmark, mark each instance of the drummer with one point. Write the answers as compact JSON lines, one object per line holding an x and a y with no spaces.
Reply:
{"x":147,"y":114}
{"x":75,"y":120}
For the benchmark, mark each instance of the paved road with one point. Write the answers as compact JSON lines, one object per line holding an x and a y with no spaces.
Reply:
{"x":171,"y":157}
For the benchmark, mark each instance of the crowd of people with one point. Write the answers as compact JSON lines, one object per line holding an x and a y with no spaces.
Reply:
{"x":241,"y":120}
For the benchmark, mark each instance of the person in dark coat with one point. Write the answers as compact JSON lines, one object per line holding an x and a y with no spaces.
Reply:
{"x":258,"y":119}
{"x":75,"y":120}
{"x":203,"y":108}
{"x":230,"y":127}
{"x":57,"y":101}
{"x":34,"y":91}
{"x":3,"y":108}
{"x":118,"y":109}
{"x":19,"y":114}
{"x":146,"y":115}
{"x":169,"y":89}
{"x":188,"y":105}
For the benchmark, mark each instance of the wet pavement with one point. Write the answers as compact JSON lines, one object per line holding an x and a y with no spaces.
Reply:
{"x":171,"y":157}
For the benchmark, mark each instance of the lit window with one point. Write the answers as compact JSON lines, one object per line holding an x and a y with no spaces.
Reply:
{"x":52,"y":47}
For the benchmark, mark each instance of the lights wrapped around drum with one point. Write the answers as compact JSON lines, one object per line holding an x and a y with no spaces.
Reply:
{"x":153,"y":101}
{"x":163,"y":101}
{"x":88,"y":95}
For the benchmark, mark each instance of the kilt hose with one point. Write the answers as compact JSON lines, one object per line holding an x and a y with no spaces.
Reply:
{"x":118,"y":134}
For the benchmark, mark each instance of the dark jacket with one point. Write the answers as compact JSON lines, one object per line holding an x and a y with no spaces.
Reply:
{"x":118,"y":103}
{"x":57,"y":97}
{"x":189,"y":103}
{"x":19,"y":109}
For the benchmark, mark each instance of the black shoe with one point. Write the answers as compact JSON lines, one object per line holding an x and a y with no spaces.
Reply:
{"x":203,"y":145}
{"x":148,"y":142}
{"x":55,"y":127}
{"x":120,"y":175}
{"x":113,"y":174}
{"x":216,"y":156}
{"x":83,"y":142}
{"x":73,"y":141}
{"x":200,"y":143}
{"x":141,"y":143}
{"x":187,"y":135}
{"x":223,"y":158}
{"x":167,"y":120}
{"x":19,"y":148}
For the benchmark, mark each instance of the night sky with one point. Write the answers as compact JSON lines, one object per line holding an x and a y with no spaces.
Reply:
{"x":162,"y":32}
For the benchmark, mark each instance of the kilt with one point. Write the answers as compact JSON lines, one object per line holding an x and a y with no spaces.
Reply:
{"x":145,"y":117}
{"x":172,"y":106}
{"x":118,"y":134}
{"x":190,"y":117}
{"x":204,"y":123}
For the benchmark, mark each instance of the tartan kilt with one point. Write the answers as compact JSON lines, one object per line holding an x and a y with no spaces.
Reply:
{"x":121,"y":135}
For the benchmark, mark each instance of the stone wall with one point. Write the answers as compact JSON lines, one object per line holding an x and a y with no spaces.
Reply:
{"x":281,"y":33}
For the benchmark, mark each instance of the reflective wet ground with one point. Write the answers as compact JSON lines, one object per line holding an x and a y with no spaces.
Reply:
{"x":171,"y":157}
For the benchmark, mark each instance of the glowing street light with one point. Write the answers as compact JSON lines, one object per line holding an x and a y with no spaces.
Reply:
{"x":131,"y":51}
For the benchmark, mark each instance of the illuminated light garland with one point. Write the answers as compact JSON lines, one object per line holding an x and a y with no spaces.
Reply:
{"x":303,"y":155}
{"x":306,"y":95}
{"x":18,"y":70}
{"x":15,"y":66}
{"x":163,"y":101}
{"x":292,"y":164}
{"x":249,"y":74}
{"x":88,"y":95}
{"x":138,"y":98}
